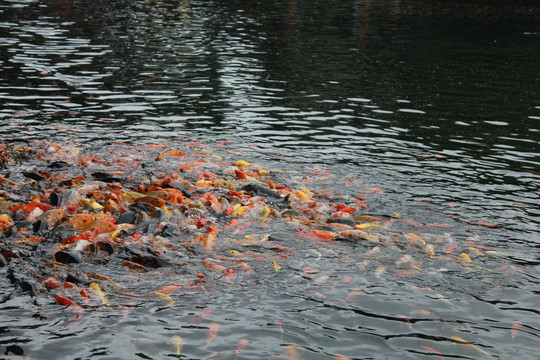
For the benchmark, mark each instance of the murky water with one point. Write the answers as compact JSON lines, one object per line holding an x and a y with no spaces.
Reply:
{"x":436,"y":105}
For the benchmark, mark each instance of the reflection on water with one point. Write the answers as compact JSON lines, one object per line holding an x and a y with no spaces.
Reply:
{"x":435,"y":103}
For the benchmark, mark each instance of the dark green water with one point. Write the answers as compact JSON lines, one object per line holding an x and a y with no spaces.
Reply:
{"x":433,"y":102}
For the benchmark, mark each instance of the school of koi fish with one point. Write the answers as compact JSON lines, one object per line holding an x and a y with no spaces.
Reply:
{"x":68,"y":216}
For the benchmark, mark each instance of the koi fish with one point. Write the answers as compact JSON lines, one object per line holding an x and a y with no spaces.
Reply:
{"x":85,"y":221}
{"x":379,"y":271}
{"x":432,"y":350}
{"x":358,"y":234}
{"x":51,"y":216}
{"x":28,"y":208}
{"x":213,"y":329}
{"x":362,"y":264}
{"x":404,"y":259}
{"x":151,"y":200}
{"x":292,"y":351}
{"x":405,"y":320}
{"x":458,"y":340}
{"x":241,"y":175}
{"x":340,"y":357}
{"x":213,"y":266}
{"x":372,"y":251}
{"x":177,"y":343}
{"x":477,"y":252}
{"x":265,"y":212}
{"x":345,"y":280}
{"x":245,"y":266}
{"x":130,"y":196}
{"x":201,"y":316}
{"x":430,"y":250}
{"x":515,"y":329}
{"x":91,"y":204}
{"x":451,"y":248}
{"x":101,"y":294}
{"x":352,"y":295}
{"x":277,"y":266}
{"x":170,"y":301}
{"x":415,"y":240}
{"x":62,"y":300}
{"x":323,"y":234}
{"x":172,"y":195}
{"x":465,"y":260}
{"x":365,"y":218}
{"x":74,"y":238}
{"x":209,"y":238}
{"x":169,"y":288}
{"x":242,"y":345}
{"x":368,"y":226}
{"x":278,"y":324}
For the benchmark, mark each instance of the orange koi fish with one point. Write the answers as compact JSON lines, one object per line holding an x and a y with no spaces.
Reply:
{"x":51,"y":216}
{"x":167,"y":289}
{"x":515,"y":329}
{"x":367,"y":218}
{"x":172,"y":195}
{"x":201,"y":316}
{"x":432,"y":350}
{"x":278,"y":324}
{"x":102,"y":226}
{"x":74,"y":238}
{"x":451,"y":248}
{"x":209,"y":238}
{"x":245,"y":266}
{"x":213,"y":329}
{"x":84,"y":221}
{"x":241,"y":175}
{"x":213,"y":266}
{"x":352,"y":295}
{"x":242,"y":345}
{"x":151,"y":200}
{"x":405,"y":320}
{"x":62,"y":300}
{"x":324,"y":234}
{"x":28,"y":208}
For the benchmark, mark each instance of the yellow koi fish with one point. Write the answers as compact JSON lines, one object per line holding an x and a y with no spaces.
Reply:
{"x":367,"y":226}
{"x":265,"y":213}
{"x":477,"y":252}
{"x":458,"y":340}
{"x":277,"y":266}
{"x":177,"y":343}
{"x":170,"y":301}
{"x":430,"y":250}
{"x":465,"y":260}
{"x":101,"y":294}
{"x":91,"y":204}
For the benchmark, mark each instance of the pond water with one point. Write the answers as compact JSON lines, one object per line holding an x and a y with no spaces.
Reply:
{"x":436,"y":104}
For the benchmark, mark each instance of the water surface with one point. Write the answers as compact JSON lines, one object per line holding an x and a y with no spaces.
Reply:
{"x":435,"y":104}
